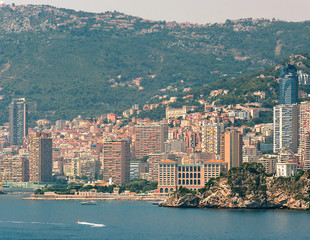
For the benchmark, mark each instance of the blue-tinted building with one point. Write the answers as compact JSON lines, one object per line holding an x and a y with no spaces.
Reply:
{"x":18,"y":121}
{"x":288,"y":85}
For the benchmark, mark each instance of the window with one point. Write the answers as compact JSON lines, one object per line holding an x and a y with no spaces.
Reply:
{"x":186,"y":175}
{"x":195,"y":182}
{"x":187,"y":182}
{"x":161,"y":190}
{"x":194,"y":175}
{"x":198,"y":175}
{"x":166,"y":190}
{"x":191,"y":181}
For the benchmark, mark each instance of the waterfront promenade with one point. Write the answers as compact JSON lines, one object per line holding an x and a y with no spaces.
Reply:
{"x":99,"y":197}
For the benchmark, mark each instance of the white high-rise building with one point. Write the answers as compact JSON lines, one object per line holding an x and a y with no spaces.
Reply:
{"x":304,"y":128}
{"x":285,"y":127}
{"x":303,"y":78}
{"x":211,"y":137}
{"x":306,"y":152}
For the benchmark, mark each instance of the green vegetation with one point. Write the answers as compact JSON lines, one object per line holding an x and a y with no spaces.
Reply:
{"x":183,"y":191}
{"x":68,"y":63}
{"x":137,"y":186}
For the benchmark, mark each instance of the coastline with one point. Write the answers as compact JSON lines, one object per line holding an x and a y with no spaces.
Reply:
{"x":99,"y":198}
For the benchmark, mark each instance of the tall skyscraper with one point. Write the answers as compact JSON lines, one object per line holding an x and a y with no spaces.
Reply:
{"x":211,"y":134}
{"x":285,"y":127}
{"x":150,"y":139}
{"x":116,"y":161}
{"x":306,"y":152}
{"x":304,"y":127}
{"x":288,"y":85}
{"x":18,"y":121}
{"x":231,"y":148}
{"x":40,"y":157}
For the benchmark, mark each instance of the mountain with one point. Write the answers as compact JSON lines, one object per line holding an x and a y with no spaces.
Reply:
{"x":247,"y":187}
{"x":243,"y":89}
{"x":68,"y":63}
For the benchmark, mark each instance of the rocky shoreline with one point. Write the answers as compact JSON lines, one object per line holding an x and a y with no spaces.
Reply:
{"x":247,"y":187}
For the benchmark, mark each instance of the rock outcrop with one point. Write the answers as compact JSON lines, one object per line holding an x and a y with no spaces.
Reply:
{"x":247,"y":187}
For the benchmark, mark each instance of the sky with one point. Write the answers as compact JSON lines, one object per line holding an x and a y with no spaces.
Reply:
{"x":194,"y":11}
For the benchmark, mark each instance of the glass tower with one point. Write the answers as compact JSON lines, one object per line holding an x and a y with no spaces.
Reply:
{"x":288,"y":85}
{"x":18,"y":121}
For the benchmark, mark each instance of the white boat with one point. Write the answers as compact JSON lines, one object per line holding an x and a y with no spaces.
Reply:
{"x":90,"y":224}
{"x":89,"y":203}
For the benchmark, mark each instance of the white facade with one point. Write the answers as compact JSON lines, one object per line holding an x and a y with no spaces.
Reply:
{"x":303,"y":78}
{"x":304,"y":129}
{"x":286,"y":169}
{"x":285,"y":127}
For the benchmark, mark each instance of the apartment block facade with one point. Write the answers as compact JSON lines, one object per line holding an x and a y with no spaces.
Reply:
{"x":116,"y":161}
{"x":150,"y":139}
{"x":40,"y":157}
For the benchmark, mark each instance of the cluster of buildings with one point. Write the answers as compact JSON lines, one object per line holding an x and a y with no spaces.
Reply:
{"x":187,"y":148}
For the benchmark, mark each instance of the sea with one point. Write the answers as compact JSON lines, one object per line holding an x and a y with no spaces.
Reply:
{"x":135,"y":220}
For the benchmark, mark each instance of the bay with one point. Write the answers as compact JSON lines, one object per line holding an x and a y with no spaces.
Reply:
{"x":23,"y":219}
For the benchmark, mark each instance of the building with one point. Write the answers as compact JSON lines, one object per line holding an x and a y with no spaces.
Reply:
{"x":167,"y":177}
{"x":286,"y":169}
{"x":150,"y":139}
{"x":175,"y":146}
{"x":88,"y":167}
{"x":11,"y":168}
{"x":288,"y":85}
{"x":285,"y":127}
{"x":306,"y":152}
{"x":153,"y":161}
{"x":40,"y":157}
{"x":18,"y":129}
{"x":304,"y":128}
{"x":269,"y":162}
{"x":251,"y":154}
{"x":172,"y":176}
{"x":213,"y":169}
{"x":116,"y":161}
{"x":211,"y":137}
{"x":134,"y":169}
{"x":231,"y":148}
{"x":285,"y":155}
{"x":178,"y":112}
{"x":303,"y":78}
{"x":60,"y":124}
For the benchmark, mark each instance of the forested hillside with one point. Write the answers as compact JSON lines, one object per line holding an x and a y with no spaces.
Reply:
{"x":68,"y":63}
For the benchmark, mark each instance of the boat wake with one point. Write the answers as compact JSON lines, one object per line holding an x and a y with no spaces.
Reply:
{"x":90,"y":224}
{"x":23,"y":222}
{"x":58,"y":224}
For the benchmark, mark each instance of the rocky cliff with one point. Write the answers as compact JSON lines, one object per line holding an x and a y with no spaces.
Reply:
{"x":247,"y":187}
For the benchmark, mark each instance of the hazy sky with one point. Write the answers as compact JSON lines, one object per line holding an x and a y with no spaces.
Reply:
{"x":195,"y":11}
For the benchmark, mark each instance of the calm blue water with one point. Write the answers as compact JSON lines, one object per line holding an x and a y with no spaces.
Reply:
{"x":21,"y":219}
